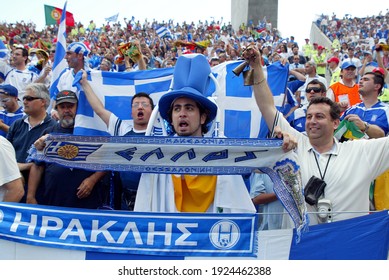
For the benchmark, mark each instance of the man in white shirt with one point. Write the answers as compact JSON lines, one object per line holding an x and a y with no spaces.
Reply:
{"x":11,"y":185}
{"x":16,"y":73}
{"x":321,"y":155}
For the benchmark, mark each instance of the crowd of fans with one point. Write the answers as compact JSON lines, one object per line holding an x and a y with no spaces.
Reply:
{"x":218,"y":41}
{"x":352,"y":40}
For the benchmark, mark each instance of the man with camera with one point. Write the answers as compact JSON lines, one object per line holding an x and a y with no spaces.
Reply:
{"x":330,"y":170}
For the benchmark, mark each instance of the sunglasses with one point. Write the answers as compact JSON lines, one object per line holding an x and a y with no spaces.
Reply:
{"x":30,"y":98}
{"x":315,"y":89}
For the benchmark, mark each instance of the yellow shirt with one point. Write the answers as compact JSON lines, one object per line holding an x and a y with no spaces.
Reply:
{"x":194,"y":193}
{"x":335,"y":77}
{"x":320,"y":70}
{"x":307,"y":50}
{"x":384,"y":97}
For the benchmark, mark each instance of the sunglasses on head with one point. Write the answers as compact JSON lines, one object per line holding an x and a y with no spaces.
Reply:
{"x":30,"y":98}
{"x":315,"y":89}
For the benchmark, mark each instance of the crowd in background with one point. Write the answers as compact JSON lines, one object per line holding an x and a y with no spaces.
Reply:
{"x":218,"y":41}
{"x":350,"y":38}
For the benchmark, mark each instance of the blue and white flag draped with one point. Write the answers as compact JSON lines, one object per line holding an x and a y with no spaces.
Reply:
{"x":4,"y":51}
{"x":238,"y":115}
{"x":113,"y":18}
{"x":115,"y":90}
{"x":362,"y":238}
{"x":60,"y":64}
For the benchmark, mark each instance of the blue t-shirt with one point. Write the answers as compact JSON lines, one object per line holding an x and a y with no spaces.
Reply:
{"x":9,"y":118}
{"x":377,"y":114}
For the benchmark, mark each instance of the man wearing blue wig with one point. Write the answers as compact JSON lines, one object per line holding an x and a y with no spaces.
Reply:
{"x":190,"y":112}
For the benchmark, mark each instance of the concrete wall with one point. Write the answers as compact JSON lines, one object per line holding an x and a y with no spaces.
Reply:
{"x":239,"y":12}
{"x":246,"y":10}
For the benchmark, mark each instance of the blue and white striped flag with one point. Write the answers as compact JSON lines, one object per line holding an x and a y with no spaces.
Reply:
{"x":4,"y":51}
{"x":60,"y":64}
{"x":239,"y":116}
{"x":113,"y":18}
{"x":239,"y":113}
{"x":162,"y":32}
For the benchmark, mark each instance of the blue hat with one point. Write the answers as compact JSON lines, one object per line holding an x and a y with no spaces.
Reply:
{"x":347,"y":64}
{"x":190,"y":79}
{"x":78,"y":47}
{"x":9,"y":90}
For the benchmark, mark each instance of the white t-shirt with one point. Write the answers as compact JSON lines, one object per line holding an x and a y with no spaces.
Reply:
{"x":17,"y":78}
{"x":352,"y":167}
{"x":66,"y":81}
{"x":118,"y":127}
{"x":9,"y":170}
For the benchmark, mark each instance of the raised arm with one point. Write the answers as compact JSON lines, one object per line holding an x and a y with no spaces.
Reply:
{"x":263,"y":95}
{"x":93,"y":100}
{"x":380,"y":60}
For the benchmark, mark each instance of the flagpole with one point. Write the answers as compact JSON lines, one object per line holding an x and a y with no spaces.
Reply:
{"x":60,"y":52}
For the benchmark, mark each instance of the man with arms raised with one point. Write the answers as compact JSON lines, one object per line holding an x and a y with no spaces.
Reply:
{"x":141,"y":107}
{"x":321,"y":155}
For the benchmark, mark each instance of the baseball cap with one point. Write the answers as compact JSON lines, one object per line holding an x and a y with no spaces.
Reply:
{"x":333,"y":59}
{"x":9,"y":90}
{"x":379,"y":70}
{"x":367,"y":52}
{"x":66,"y":96}
{"x":347,"y":64}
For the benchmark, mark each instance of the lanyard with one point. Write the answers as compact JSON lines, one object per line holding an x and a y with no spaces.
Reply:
{"x":318,"y":166}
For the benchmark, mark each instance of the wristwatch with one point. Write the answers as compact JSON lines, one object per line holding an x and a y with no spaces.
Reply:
{"x":367,"y":125}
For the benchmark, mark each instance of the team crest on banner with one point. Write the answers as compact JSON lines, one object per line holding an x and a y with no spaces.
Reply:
{"x":188,"y":155}
{"x":184,"y":234}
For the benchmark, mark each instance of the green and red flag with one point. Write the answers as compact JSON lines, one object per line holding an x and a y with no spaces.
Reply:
{"x":53,"y":16}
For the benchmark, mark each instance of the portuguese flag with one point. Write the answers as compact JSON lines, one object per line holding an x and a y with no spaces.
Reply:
{"x":53,"y":16}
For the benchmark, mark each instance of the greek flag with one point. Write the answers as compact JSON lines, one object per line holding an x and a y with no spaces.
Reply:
{"x":60,"y":63}
{"x":68,"y":151}
{"x":4,"y":52}
{"x":238,"y":117}
{"x":113,"y":18}
{"x":162,"y":31}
